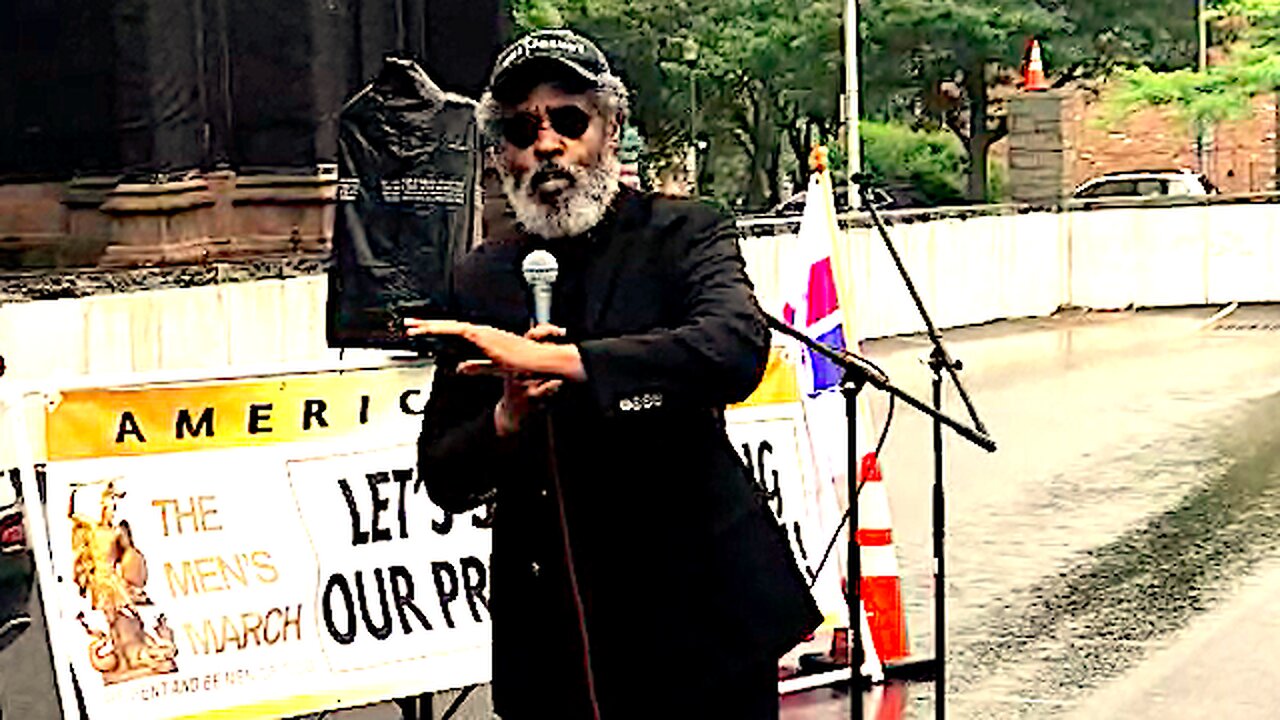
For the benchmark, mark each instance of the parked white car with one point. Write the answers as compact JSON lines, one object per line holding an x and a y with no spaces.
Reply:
{"x":1173,"y":183}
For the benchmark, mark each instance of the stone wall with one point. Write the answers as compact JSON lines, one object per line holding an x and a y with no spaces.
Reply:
{"x":100,"y":221}
{"x":1059,"y":139}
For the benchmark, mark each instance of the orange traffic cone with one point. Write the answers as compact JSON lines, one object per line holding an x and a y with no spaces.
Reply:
{"x":881,"y":582}
{"x":1033,"y":76}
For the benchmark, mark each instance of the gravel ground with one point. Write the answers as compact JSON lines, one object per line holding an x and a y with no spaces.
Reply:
{"x":52,"y":284}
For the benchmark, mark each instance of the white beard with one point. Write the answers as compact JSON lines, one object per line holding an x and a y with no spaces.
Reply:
{"x":577,"y":209}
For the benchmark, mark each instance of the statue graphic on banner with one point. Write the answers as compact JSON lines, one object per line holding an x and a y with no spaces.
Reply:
{"x":111,"y":572}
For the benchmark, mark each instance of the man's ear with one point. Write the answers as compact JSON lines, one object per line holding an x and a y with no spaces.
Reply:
{"x":615,"y":134}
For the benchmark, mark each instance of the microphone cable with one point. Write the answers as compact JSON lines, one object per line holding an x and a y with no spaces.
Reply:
{"x":579,"y":608}
{"x":835,"y":535}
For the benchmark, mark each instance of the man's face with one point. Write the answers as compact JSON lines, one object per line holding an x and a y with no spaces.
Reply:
{"x":559,"y":168}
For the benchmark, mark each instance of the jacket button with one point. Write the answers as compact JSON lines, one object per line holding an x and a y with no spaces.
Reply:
{"x":543,"y":492}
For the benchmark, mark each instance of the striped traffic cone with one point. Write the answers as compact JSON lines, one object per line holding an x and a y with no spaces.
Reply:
{"x":881,"y":583}
{"x":1033,"y":75}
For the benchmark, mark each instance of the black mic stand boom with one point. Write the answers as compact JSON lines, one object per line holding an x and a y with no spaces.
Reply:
{"x":939,"y":360}
{"x":858,"y":372}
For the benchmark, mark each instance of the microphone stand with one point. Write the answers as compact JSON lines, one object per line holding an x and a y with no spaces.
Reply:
{"x":857,"y":373}
{"x":939,"y":360}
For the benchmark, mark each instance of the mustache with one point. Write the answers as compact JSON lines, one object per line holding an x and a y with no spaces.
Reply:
{"x":548,"y":171}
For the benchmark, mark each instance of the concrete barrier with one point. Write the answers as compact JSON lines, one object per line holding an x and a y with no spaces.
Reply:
{"x":979,"y":265}
{"x":969,"y":266}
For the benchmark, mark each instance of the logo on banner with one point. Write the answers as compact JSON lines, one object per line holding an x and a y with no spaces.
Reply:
{"x":111,"y":572}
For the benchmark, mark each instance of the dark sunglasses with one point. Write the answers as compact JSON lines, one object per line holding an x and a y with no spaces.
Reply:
{"x":521,"y":129}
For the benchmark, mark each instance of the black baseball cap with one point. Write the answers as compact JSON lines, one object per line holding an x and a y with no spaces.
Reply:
{"x":546,"y":55}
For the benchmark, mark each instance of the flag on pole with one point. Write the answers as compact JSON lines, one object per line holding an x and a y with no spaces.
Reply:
{"x":811,"y":302}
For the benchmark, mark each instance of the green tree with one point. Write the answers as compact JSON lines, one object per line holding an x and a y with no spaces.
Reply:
{"x":938,"y":60}
{"x":1247,"y":34}
{"x":766,"y":77}
{"x":1098,"y":37}
{"x":931,"y":162}
{"x":773,"y":73}
{"x":529,"y":15}
{"x":944,"y":63}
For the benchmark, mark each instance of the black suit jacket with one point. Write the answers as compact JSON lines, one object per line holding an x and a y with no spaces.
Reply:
{"x":682,"y":572}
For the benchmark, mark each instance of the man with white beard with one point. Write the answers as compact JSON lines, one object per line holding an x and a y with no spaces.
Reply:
{"x":636,"y":572}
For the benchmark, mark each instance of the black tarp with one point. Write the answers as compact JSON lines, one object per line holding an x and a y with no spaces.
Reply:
{"x":285,"y":82}
{"x":56,"y":77}
{"x":103,"y":87}
{"x":160,"y":113}
{"x":409,"y":174}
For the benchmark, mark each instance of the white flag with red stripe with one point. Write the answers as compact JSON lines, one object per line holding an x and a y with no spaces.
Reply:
{"x":811,"y":298}
{"x":812,"y":304}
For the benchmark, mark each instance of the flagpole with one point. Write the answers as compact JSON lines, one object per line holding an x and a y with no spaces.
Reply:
{"x":853,"y":142}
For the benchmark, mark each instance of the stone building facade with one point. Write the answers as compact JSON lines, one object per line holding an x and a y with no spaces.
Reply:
{"x":1060,"y":138}
{"x":149,"y":132}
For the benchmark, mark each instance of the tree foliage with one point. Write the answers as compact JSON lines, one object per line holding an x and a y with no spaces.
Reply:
{"x":930,"y":162}
{"x":759,"y":81}
{"x":938,"y":60}
{"x":1098,"y":38}
{"x":1246,"y":34}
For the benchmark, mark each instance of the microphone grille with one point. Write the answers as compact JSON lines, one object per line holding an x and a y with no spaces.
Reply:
{"x":539,"y":267}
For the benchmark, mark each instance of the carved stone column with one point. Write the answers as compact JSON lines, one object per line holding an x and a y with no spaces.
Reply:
{"x":158,"y":223}
{"x":283,"y":213}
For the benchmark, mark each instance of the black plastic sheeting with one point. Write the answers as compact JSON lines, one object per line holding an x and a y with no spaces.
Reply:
{"x":57,"y":71}
{"x":149,"y":87}
{"x":409,"y":184}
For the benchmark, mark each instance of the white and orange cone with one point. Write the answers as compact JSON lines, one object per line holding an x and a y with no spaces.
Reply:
{"x":1033,"y":76}
{"x":881,"y":586}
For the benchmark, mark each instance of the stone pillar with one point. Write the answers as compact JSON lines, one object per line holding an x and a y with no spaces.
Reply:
{"x":283,"y":213}
{"x":158,"y":223}
{"x":88,"y":229}
{"x":158,"y":96}
{"x":1038,"y":148}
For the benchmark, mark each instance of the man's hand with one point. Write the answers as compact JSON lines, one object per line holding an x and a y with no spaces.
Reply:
{"x":532,"y":369}
{"x":520,"y":398}
{"x":521,"y":395}
{"x":512,"y":354}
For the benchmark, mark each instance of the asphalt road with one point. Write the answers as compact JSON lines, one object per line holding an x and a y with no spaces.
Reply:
{"x":1115,"y":556}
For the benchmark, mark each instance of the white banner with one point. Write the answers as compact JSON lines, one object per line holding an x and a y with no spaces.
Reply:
{"x":773,"y":432}
{"x":773,"y":440}
{"x":263,"y":546}
{"x":286,"y":575}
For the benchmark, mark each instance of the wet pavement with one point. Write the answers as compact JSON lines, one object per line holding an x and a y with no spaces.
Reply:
{"x":1114,"y":557}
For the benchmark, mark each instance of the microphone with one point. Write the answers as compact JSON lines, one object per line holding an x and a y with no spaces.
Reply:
{"x":540,"y":269}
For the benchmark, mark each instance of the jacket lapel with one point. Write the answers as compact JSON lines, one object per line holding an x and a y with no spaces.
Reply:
{"x":616,"y":238}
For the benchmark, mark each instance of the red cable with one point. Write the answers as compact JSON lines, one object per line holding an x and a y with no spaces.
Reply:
{"x":579,"y":608}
